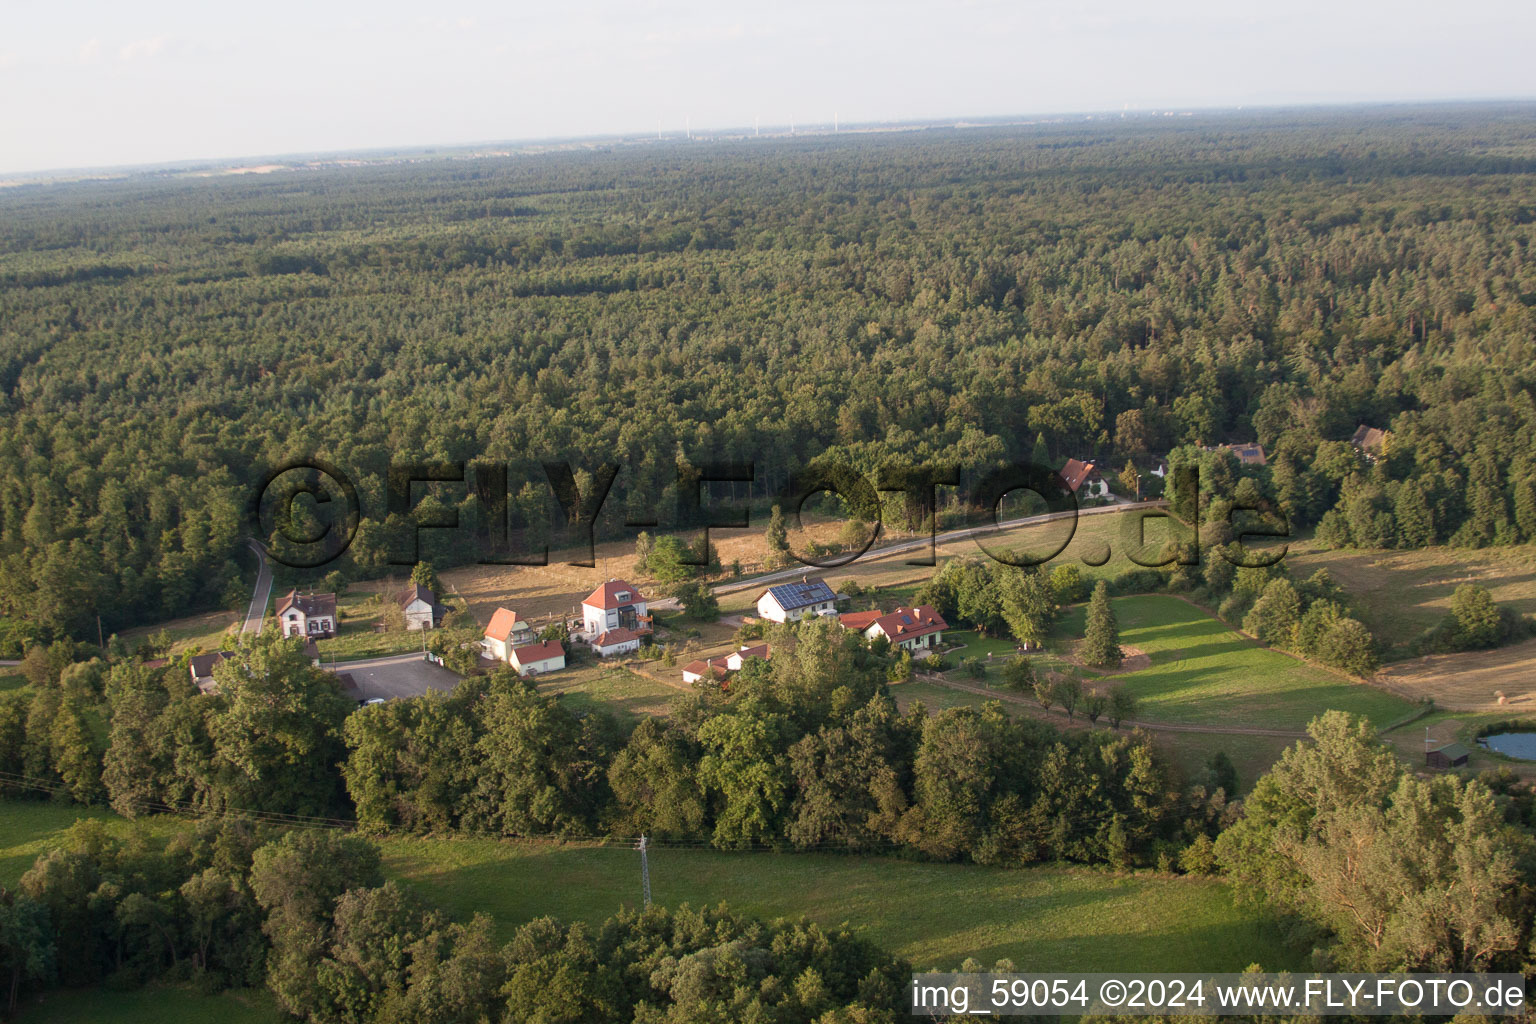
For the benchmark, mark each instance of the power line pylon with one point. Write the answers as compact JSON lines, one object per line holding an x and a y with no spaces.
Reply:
{"x":645,"y":873}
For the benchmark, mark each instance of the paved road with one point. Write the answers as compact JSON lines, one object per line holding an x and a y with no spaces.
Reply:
{"x":394,"y":676}
{"x":943,"y":538}
{"x":262,"y":592}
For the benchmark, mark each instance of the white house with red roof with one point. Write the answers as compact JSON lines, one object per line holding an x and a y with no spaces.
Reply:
{"x":714,"y":668}
{"x":537,"y":659}
{"x":858,"y":621}
{"x":616,"y":641}
{"x":505,"y":631}
{"x":1084,"y":479}
{"x":736,"y":659}
{"x":914,"y":629}
{"x":616,"y":604}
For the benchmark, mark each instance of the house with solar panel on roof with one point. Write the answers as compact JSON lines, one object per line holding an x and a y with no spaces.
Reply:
{"x":789,"y":602}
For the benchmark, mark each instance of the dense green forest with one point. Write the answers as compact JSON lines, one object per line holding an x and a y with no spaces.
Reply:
{"x":1111,"y":289}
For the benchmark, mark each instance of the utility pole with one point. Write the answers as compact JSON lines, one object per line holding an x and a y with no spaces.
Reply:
{"x":645,"y":874}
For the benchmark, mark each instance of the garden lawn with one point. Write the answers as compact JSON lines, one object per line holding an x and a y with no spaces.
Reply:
{"x":628,"y":695}
{"x":1203,"y":673}
{"x":934,"y":914}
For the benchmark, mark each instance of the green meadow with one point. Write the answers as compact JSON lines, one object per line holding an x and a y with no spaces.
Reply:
{"x":1203,"y":673}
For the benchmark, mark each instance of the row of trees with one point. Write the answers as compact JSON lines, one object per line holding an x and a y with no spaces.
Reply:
{"x":232,"y":903}
{"x":806,"y":751}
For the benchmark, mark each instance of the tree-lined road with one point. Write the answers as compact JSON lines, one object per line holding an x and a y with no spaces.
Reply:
{"x":261,"y":593}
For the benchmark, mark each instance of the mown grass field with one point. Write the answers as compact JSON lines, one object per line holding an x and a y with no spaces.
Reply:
{"x":27,"y":828}
{"x":934,"y":914}
{"x":205,"y":632}
{"x":12,"y":681}
{"x":1203,"y":673}
{"x":157,"y":1004}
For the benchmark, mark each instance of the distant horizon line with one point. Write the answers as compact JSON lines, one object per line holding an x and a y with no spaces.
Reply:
{"x":298,"y":159}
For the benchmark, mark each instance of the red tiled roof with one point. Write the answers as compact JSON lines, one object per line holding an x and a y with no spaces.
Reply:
{"x":906,"y":623}
{"x":1077,"y":473}
{"x":858,"y":620}
{"x":618,"y":635}
{"x":538,"y":652}
{"x":702,"y":668}
{"x":603,"y":597}
{"x":760,"y":651}
{"x":500,"y":626}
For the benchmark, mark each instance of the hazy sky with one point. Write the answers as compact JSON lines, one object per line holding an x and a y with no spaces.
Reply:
{"x":88,"y":83}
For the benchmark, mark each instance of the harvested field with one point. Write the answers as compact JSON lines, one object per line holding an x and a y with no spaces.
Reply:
{"x":1471,"y":680}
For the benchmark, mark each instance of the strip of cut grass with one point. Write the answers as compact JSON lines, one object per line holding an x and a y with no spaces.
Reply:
{"x":1203,"y":673}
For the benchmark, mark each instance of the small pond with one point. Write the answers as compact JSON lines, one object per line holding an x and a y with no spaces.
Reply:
{"x":1513,"y":744}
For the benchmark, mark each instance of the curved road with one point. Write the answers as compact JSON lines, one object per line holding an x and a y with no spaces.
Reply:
{"x":262,"y":592}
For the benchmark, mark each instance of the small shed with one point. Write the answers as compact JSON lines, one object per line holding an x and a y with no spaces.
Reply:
{"x":1452,"y":755}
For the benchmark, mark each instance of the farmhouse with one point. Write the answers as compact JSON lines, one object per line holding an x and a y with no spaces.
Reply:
{"x":537,"y":659}
{"x":420,"y":607}
{"x":505,"y":632}
{"x":914,"y":629}
{"x":788,"y":602}
{"x":736,"y":659}
{"x":1084,"y":480}
{"x":1452,"y":755}
{"x":307,"y":614}
{"x":696,"y":670}
{"x":612,"y":605}
{"x":616,"y":641}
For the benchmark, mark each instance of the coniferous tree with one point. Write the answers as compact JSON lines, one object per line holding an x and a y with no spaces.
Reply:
{"x":1525,"y":508}
{"x":1101,"y":642}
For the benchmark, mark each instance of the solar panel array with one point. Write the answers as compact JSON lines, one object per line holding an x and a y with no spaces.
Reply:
{"x":801,"y":594}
